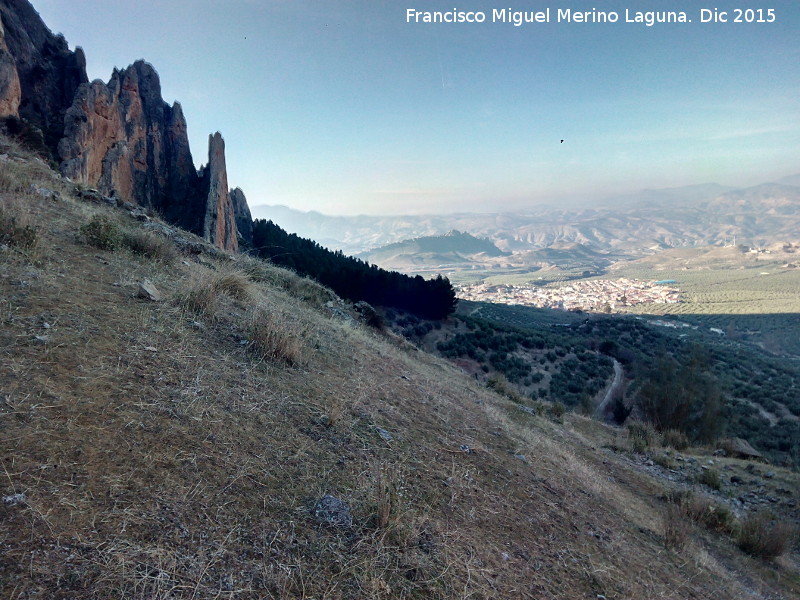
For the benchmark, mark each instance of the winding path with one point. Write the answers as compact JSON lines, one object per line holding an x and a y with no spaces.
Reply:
{"x":616,"y":383}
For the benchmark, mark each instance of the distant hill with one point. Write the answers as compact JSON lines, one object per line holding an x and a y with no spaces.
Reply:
{"x":452,"y":248}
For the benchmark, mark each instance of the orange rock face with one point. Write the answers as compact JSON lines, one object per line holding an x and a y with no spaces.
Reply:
{"x":10,"y":90}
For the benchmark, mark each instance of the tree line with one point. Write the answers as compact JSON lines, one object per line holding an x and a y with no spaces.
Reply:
{"x":352,"y":278}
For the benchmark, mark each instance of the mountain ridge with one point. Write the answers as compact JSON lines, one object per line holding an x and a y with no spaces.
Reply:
{"x":761,"y":214}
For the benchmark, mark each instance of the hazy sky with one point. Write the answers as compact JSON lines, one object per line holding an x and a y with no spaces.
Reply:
{"x":345,"y":107}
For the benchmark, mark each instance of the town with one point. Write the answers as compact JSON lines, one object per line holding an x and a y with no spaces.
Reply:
{"x":596,"y":295}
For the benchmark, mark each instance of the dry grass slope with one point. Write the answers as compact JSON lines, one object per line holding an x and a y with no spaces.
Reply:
{"x":176,"y":449}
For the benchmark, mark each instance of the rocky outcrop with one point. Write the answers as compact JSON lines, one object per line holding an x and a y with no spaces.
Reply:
{"x":48,"y":73}
{"x":123,"y":139}
{"x":119,"y":137}
{"x":244,"y":221}
{"x":219,"y":220}
{"x":10,"y":91}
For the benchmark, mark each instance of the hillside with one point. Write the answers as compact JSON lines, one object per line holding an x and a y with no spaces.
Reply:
{"x":239,"y":433}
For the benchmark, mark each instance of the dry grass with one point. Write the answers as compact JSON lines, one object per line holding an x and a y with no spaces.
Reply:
{"x":150,"y":245}
{"x":203,"y":293}
{"x":272,"y":338}
{"x":302,"y":288}
{"x":677,"y":528}
{"x":16,"y":227}
{"x":675,"y":439}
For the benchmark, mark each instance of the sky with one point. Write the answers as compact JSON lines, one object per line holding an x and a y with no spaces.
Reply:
{"x":346,"y":107}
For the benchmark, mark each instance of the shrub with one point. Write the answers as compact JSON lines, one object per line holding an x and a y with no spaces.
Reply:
{"x":557,"y":409}
{"x":641,"y":435}
{"x":675,"y":439}
{"x":709,"y":514}
{"x":150,"y":245}
{"x":711,"y":478}
{"x":664,"y":460}
{"x":762,"y":535}
{"x":101,"y":233}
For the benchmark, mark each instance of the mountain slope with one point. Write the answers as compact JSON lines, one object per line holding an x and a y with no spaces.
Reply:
{"x":183,"y":448}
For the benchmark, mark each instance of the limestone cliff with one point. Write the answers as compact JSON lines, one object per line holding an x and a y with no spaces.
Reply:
{"x":120,"y":137}
{"x":47,"y":72}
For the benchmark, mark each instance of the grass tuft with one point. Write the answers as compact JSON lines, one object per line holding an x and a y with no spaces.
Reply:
{"x":762,"y":535}
{"x":677,"y":528}
{"x":150,"y":245}
{"x":272,"y":339}
{"x":203,"y":295}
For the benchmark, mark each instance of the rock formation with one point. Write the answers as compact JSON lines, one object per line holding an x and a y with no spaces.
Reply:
{"x":47,"y":71}
{"x":10,"y":92}
{"x":219,"y":221}
{"x":244,"y":221}
{"x":120,"y":137}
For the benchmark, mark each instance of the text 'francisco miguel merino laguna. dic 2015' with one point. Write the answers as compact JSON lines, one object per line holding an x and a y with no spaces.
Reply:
{"x":562,"y":15}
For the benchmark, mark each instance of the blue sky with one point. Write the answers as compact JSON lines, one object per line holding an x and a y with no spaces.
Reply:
{"x":345,"y":108}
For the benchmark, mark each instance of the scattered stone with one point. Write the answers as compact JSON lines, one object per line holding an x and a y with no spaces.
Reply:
{"x":521,"y":457}
{"x":769,"y":474}
{"x":226,"y":583}
{"x":385,"y":435}
{"x":46,"y":325}
{"x":42,"y":339}
{"x":148,"y":291}
{"x":466,"y":448}
{"x":151,"y":349}
{"x":46,"y":192}
{"x":329,"y":510}
{"x":139,"y":214}
{"x":736,"y":480}
{"x":14,"y":499}
{"x":710,"y":462}
{"x":720,"y":452}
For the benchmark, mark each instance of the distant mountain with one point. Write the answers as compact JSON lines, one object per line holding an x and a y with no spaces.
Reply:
{"x":640,"y":224}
